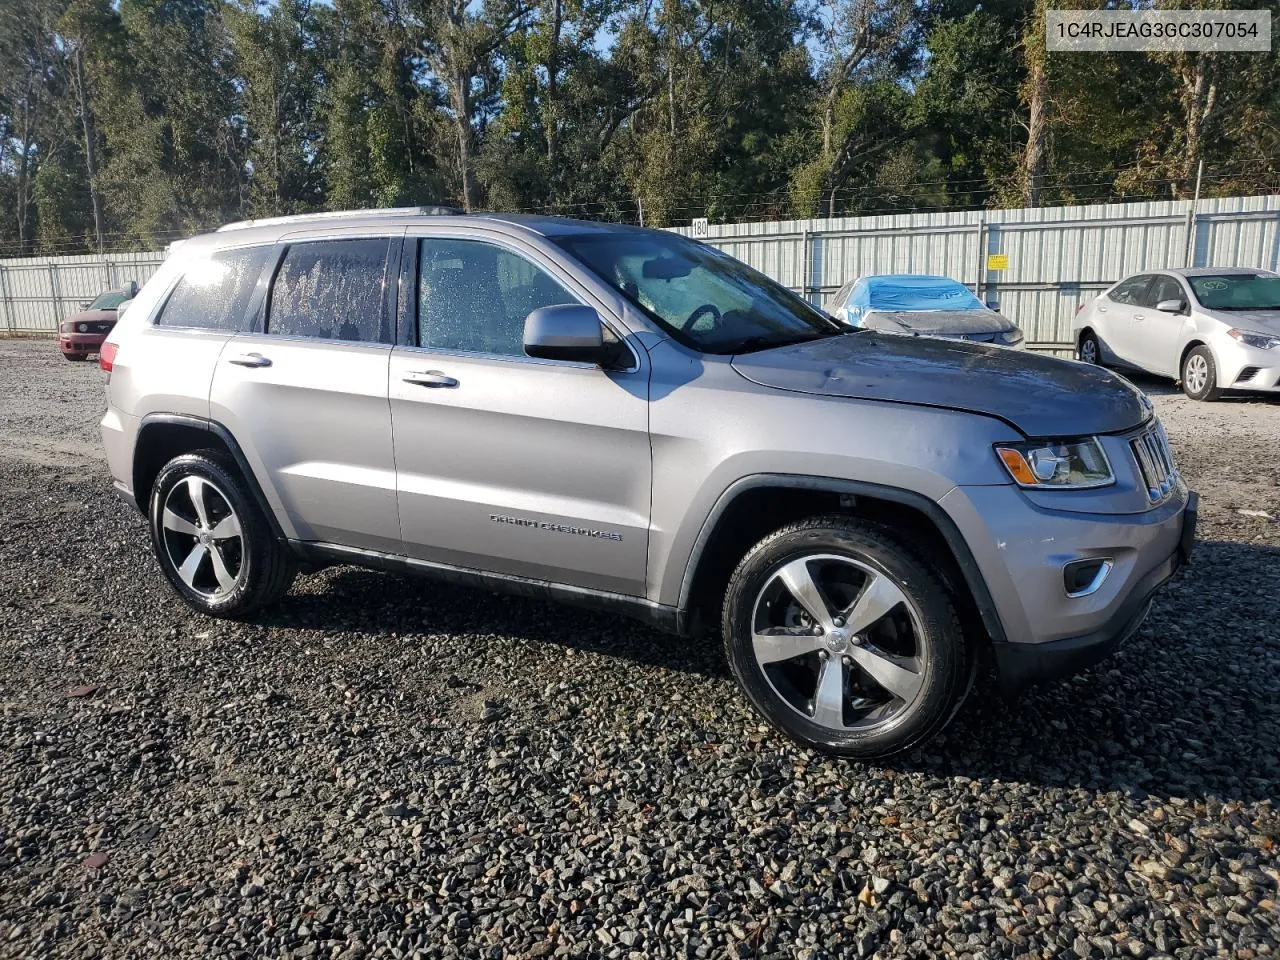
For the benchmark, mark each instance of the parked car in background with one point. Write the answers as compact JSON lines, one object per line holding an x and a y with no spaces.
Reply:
{"x":1213,"y":329}
{"x":922,"y":306}
{"x":629,"y":419}
{"x":82,"y":333}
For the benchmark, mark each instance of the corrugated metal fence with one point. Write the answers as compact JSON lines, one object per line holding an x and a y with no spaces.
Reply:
{"x":36,"y":293}
{"x":1035,"y":265}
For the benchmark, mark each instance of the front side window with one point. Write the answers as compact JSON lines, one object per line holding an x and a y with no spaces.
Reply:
{"x":1162,"y":289}
{"x":1130,"y":291}
{"x":1238,"y":291}
{"x":214,"y":291}
{"x":706,"y":299}
{"x":332,"y":290}
{"x":474,"y":296}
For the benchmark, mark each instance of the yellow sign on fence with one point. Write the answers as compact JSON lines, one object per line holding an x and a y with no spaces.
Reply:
{"x":997,"y":261}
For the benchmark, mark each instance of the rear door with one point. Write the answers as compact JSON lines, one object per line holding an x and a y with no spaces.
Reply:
{"x":305,"y":392}
{"x":532,"y":468}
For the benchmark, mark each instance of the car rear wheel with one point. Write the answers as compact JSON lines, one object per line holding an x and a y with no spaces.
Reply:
{"x":1090,"y":351}
{"x":843,"y":640}
{"x":76,"y":357}
{"x":211,"y":539}
{"x":1200,"y":375}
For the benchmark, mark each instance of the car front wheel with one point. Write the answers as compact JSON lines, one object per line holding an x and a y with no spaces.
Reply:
{"x":211,"y":539}
{"x":1200,"y":375}
{"x":843,"y":640}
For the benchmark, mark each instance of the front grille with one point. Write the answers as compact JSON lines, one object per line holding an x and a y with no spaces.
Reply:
{"x":1155,"y":462}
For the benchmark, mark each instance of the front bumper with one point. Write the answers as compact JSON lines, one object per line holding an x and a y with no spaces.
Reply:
{"x":1241,"y":367}
{"x":1021,"y":549}
{"x":81,"y":342}
{"x":1022,"y":664}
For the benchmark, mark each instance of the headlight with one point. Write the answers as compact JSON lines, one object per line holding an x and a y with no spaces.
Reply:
{"x":1057,"y":464}
{"x":1011,"y":336}
{"x":1259,"y":340}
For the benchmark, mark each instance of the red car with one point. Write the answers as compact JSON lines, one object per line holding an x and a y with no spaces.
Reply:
{"x":82,"y":333}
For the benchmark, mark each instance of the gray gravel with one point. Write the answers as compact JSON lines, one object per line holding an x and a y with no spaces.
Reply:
{"x":384,"y":767}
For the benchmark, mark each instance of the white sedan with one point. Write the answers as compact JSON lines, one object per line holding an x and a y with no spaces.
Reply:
{"x":1212,"y":329}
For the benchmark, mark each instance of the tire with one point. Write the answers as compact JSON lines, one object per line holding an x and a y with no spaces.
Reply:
{"x":226,"y":530}
{"x":76,"y":357}
{"x":1200,"y":375}
{"x":858,"y":566}
{"x":1089,"y":350}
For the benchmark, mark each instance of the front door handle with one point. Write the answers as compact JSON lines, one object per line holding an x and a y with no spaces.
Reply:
{"x":429,"y":378}
{"x":250,"y":360}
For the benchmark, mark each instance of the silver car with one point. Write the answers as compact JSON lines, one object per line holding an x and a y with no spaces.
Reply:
{"x":631,"y":420}
{"x":1212,"y":329}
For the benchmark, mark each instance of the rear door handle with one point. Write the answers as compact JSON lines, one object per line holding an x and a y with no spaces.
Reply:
{"x":250,"y":360}
{"x":429,"y":378}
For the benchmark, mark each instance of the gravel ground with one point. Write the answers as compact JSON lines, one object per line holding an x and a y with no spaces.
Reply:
{"x":384,"y":767}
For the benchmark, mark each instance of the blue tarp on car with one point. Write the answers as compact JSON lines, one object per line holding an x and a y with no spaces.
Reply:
{"x":908,"y":293}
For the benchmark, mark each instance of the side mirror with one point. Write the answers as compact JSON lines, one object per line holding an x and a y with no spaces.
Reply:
{"x":130,"y":289}
{"x":567,"y":331}
{"x":1170,"y":306}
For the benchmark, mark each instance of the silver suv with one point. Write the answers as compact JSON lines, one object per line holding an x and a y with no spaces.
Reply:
{"x":630,"y":419}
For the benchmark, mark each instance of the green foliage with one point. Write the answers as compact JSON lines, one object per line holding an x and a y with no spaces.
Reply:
{"x":127,"y":122}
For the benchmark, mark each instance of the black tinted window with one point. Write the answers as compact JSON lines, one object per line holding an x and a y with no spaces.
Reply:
{"x":214,"y":290}
{"x":475,"y":296}
{"x":332,"y":290}
{"x":1131,"y":290}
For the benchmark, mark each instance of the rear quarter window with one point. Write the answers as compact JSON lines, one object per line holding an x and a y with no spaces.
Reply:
{"x":214,"y":291}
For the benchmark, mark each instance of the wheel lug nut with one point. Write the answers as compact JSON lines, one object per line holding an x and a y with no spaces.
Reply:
{"x":817,"y":631}
{"x":848,"y":661}
{"x":838,"y":621}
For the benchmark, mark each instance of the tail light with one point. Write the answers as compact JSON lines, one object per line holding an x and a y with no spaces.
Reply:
{"x":107,"y":356}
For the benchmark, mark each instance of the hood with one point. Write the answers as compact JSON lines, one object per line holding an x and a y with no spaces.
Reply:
{"x":1042,"y":396}
{"x":92,"y":316}
{"x":1250,"y":321}
{"x":939,"y":323}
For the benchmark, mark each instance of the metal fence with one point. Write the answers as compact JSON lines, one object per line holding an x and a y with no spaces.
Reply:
{"x":36,"y":293}
{"x":1034,"y":265}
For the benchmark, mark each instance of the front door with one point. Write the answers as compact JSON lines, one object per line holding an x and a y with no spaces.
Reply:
{"x":305,"y":394}
{"x":1158,"y":335}
{"x":531,"y":468}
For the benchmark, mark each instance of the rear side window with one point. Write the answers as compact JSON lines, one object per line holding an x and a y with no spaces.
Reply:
{"x":214,"y":291}
{"x":332,"y":290}
{"x":1131,"y":290}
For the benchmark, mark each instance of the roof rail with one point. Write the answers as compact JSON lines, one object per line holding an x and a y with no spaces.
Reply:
{"x":389,"y":212}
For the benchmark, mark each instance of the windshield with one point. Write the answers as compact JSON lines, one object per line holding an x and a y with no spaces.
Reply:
{"x":705,"y":298}
{"x":107,"y":301}
{"x":1238,"y":291}
{"x":912,"y":294}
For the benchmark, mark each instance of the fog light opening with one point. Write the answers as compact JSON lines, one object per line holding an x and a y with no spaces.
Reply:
{"x":1080,"y":578}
